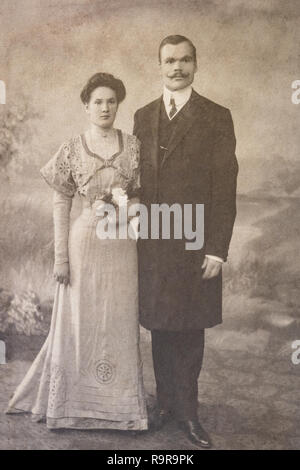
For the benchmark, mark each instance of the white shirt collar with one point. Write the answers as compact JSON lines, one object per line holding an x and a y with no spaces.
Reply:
{"x":180,"y":96}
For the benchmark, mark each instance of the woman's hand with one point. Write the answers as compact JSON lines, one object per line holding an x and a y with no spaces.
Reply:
{"x":61,"y":273}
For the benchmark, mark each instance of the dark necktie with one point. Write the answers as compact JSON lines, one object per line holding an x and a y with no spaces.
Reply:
{"x":173,"y":108}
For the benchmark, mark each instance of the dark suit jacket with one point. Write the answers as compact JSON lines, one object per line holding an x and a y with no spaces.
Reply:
{"x":200,"y":167}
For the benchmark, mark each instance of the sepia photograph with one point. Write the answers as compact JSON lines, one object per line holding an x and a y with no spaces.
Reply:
{"x":149,"y":226}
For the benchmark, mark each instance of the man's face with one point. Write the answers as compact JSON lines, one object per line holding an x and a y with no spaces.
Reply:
{"x":177,"y":65}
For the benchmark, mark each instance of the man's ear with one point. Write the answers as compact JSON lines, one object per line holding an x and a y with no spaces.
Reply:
{"x":159,"y":68}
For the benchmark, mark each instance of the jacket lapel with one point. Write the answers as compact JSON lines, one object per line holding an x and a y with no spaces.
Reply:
{"x":185,"y":119}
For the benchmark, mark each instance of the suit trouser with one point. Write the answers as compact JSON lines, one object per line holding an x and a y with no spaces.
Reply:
{"x":177,"y":361}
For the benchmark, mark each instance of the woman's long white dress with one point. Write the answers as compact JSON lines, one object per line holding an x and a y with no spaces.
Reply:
{"x":88,"y":373}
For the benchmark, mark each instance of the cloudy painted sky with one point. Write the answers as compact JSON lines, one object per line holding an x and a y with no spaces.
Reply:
{"x":248,"y":56}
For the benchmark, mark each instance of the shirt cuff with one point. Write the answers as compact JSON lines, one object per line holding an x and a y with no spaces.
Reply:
{"x":62,"y":261}
{"x":216,"y":258}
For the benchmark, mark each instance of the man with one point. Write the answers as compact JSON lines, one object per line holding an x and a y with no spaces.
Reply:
{"x":187,"y":157}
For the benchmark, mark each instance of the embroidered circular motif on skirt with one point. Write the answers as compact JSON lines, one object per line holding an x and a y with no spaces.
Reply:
{"x":104,"y":371}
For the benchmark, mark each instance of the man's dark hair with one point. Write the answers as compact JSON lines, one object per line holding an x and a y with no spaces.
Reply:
{"x":177,"y":39}
{"x":105,"y":80}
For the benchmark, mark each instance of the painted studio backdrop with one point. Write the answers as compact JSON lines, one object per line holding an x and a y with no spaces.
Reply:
{"x":247,"y":60}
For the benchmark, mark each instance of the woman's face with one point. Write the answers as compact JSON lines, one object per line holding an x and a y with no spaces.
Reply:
{"x":102,"y":107}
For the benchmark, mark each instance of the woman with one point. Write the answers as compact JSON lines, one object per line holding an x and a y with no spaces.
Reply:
{"x":88,"y":373}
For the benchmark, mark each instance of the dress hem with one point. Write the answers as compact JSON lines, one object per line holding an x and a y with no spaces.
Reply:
{"x":84,"y":422}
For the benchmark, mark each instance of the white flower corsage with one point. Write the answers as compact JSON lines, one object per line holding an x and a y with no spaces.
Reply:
{"x":119,"y":197}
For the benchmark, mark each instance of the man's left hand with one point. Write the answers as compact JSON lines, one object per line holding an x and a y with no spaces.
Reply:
{"x":211,"y":268}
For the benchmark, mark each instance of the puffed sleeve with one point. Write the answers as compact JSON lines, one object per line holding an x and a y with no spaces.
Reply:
{"x":135,"y":168}
{"x":57,"y":171}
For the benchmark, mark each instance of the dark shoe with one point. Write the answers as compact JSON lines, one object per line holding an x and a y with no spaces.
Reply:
{"x":195,"y":433}
{"x":160,"y":418}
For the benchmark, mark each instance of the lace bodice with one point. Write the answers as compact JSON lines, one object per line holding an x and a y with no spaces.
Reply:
{"x":73,"y":167}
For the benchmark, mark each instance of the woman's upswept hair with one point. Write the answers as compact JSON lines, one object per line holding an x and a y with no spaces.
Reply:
{"x":103,"y":80}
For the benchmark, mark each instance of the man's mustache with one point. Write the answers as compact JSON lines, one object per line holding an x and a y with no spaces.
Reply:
{"x":179,"y":75}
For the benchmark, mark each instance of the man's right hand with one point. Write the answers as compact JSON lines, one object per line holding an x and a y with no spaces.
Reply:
{"x":61,"y":273}
{"x":211,"y":268}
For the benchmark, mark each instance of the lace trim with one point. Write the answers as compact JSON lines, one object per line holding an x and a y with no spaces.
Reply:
{"x":70,"y":169}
